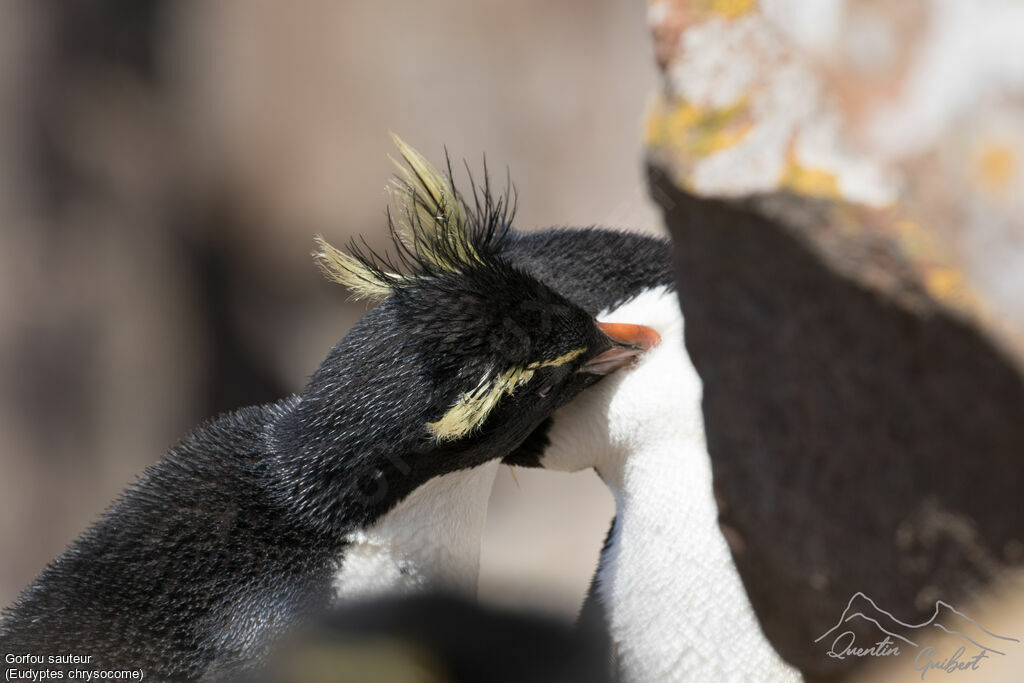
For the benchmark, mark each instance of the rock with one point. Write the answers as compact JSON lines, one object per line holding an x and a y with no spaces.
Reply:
{"x":848,"y":250}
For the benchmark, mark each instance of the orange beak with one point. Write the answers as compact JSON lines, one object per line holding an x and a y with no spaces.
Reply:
{"x":629,"y":342}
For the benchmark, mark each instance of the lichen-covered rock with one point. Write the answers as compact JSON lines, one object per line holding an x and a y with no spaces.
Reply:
{"x":845,"y":186}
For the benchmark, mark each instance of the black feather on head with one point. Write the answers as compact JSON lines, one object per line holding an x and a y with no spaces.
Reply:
{"x":473,"y":323}
{"x":465,"y":356}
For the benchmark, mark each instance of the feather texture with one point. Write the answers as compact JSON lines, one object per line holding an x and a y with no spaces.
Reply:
{"x":433,"y":229}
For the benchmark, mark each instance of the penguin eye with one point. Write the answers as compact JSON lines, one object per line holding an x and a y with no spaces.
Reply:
{"x":546,"y":390}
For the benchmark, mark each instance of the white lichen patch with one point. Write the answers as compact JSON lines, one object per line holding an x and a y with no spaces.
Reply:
{"x":970,"y":52}
{"x":794,"y":132}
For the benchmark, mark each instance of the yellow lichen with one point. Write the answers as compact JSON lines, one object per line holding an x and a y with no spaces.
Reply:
{"x":943,"y":280}
{"x":655,"y":128}
{"x":913,"y":239}
{"x":943,"y":283}
{"x":697,"y":132}
{"x":810,"y":182}
{"x":996,"y":167}
{"x":730,"y":9}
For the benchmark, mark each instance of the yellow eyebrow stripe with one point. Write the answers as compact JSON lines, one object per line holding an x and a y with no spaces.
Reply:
{"x":473,"y":407}
{"x":561,"y":360}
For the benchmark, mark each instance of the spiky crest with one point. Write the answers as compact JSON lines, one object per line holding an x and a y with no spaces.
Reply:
{"x":435,"y":231}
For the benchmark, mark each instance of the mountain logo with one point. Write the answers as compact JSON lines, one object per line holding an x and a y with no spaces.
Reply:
{"x":862,"y":615}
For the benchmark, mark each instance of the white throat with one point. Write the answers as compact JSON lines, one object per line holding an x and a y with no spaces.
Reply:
{"x":431,"y":539}
{"x":676,"y":606}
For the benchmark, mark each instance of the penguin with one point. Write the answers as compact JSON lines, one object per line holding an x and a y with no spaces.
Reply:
{"x":670,"y":597}
{"x":432,"y":637}
{"x":373,"y":479}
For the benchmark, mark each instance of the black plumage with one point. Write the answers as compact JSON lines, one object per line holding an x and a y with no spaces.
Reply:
{"x":597,"y":270}
{"x":233,"y":536}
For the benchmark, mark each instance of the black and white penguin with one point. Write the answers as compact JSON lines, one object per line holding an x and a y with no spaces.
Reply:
{"x":666,"y":587}
{"x":375,"y":478}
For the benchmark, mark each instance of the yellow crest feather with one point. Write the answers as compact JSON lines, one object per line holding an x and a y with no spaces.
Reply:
{"x":347,"y":270}
{"x":434,"y":231}
{"x":432,"y":220}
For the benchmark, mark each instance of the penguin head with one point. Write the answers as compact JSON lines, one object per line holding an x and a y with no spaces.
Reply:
{"x":501,"y":351}
{"x":465,"y":355}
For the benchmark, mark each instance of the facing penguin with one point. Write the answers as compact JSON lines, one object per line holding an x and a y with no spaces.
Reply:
{"x":374,"y":478}
{"x":672,"y":600}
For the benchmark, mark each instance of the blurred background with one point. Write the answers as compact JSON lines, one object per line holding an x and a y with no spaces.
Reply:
{"x":163,"y":169}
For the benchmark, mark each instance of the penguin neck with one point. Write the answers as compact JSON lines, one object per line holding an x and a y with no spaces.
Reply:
{"x":352,"y":467}
{"x":431,"y":538}
{"x":675,"y":604}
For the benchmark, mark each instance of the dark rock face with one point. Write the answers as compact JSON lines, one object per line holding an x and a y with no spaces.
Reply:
{"x":862,"y":438}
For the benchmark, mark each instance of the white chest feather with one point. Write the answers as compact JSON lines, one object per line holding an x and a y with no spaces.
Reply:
{"x":676,"y":606}
{"x":430,"y":539}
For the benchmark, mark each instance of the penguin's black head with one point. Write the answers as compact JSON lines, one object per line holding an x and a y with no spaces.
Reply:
{"x":465,"y":356}
{"x":501,"y":351}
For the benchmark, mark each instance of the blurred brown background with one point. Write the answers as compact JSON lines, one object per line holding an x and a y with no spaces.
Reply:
{"x":163,"y":169}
